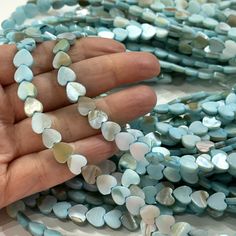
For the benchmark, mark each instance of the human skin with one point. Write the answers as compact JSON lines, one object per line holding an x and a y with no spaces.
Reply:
{"x":26,"y":166}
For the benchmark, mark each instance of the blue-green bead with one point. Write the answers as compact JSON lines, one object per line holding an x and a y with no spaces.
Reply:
{"x":219,"y":187}
{"x":60,"y":209}
{"x":46,"y":203}
{"x":23,"y":72}
{"x":57,"y":4}
{"x":28,"y":44}
{"x":217,"y":201}
{"x":23,"y":57}
{"x":218,"y":135}
{"x":177,"y":108}
{"x":74,"y":183}
{"x":49,"y":232}
{"x":155,"y":171}
{"x":134,"y":32}
{"x":77,"y":196}
{"x":8,"y":24}
{"x":150,"y":193}
{"x":36,"y":229}
{"x":162,"y":108}
{"x":31,"y":10}
{"x":120,"y":34}
{"x":19,"y":15}
{"x":23,"y":220}
{"x":43,"y":5}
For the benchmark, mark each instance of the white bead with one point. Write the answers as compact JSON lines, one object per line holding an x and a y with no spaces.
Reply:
{"x":50,"y":137}
{"x":105,"y":183}
{"x":75,"y":90}
{"x":164,"y":223}
{"x":138,"y":150}
{"x":40,"y":122}
{"x":133,"y":204}
{"x":149,"y":213}
{"x":110,"y":130}
{"x":75,"y":163}
{"x":123,"y":140}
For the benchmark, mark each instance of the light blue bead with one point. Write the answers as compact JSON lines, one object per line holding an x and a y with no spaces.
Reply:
{"x":23,"y":72}
{"x":46,"y":203}
{"x":217,"y":201}
{"x":19,"y":15}
{"x":60,"y":209}
{"x":162,"y":108}
{"x":36,"y":229}
{"x":31,"y":10}
{"x":49,"y":232}
{"x":232,"y":33}
{"x":218,"y":135}
{"x":154,"y":157}
{"x":134,"y":32}
{"x":226,"y":112}
{"x":172,"y":161}
{"x":211,"y":108}
{"x":176,"y":133}
{"x":28,"y":44}
{"x":95,"y":216}
{"x":163,"y":128}
{"x":198,"y":128}
{"x":155,"y":171}
{"x":93,"y":199}
{"x":43,"y":5}
{"x":23,"y":220}
{"x":8,"y":24}
{"x":57,"y":4}
{"x":146,"y":180}
{"x":231,"y":201}
{"x":177,"y":109}
{"x":112,"y":219}
{"x":189,"y":141}
{"x":150,"y":194}
{"x":172,"y":174}
{"x":71,"y":2}
{"x":120,"y":34}
{"x":77,"y":196}
{"x":23,"y":57}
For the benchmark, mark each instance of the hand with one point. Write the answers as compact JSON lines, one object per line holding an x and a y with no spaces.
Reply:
{"x":26,"y":166}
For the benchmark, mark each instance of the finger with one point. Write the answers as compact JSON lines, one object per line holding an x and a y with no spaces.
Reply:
{"x":121,"y":107}
{"x":39,"y":171}
{"x":98,"y":75}
{"x":43,"y":55}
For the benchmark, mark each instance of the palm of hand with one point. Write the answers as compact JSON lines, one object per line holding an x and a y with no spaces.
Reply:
{"x":26,"y":166}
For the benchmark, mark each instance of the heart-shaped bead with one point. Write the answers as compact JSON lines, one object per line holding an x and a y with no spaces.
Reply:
{"x":219,"y":161}
{"x":23,"y":57}
{"x":96,"y":118}
{"x":204,"y":163}
{"x":62,"y":151}
{"x":65,"y":75}
{"x":32,"y":105}
{"x":112,"y":219}
{"x":75,"y":163}
{"x":189,"y":141}
{"x":204,"y":146}
{"x":70,"y":37}
{"x":90,"y":173}
{"x":36,"y":228}
{"x":137,"y":191}
{"x":50,"y":137}
{"x":127,"y":162}
{"x":210,"y":108}
{"x":182,"y":194}
{"x":119,"y":194}
{"x":134,"y":204}
{"x":217,"y":201}
{"x":46,"y":203}
{"x":199,"y":199}
{"x":130,"y":222}
{"x":149,"y":213}
{"x":26,"y":89}
{"x":142,"y":166}
{"x":198,"y":128}
{"x":171,"y":174}
{"x":164,"y":223}
{"x":40,"y":122}
{"x":61,"y":59}
{"x":164,"y":196}
{"x":182,"y":227}
{"x":75,"y":90}
{"x":77,"y":213}
{"x":138,"y":150}
{"x":60,"y":209}
{"x":62,"y":45}
{"x":110,"y":129}
{"x":105,"y":183}
{"x":85,"y":105}
{"x":107,"y":167}
{"x":211,"y":123}
{"x":95,"y":216}
{"x":23,"y":72}
{"x":130,"y":177}
{"x":155,"y":171}
{"x":123,"y":140}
